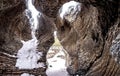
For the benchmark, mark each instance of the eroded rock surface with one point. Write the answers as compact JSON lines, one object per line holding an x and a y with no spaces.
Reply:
{"x":89,"y":38}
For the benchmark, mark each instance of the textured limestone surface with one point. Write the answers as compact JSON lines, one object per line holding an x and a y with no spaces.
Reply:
{"x":91,"y":40}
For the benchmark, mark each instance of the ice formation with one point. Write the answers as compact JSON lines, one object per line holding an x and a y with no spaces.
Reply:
{"x":28,"y":55}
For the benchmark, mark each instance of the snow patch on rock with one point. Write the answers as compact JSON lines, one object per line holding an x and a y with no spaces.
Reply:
{"x":115,"y":48}
{"x":56,"y":66}
{"x":26,"y":74}
{"x":32,"y":13}
{"x":70,"y":10}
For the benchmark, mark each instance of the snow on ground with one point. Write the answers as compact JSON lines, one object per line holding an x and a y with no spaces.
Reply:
{"x":26,"y":74}
{"x":56,"y":66}
{"x":28,"y":56}
{"x":70,"y":8}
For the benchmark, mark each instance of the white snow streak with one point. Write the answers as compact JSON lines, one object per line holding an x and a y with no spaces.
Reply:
{"x":70,"y":10}
{"x":13,"y":56}
{"x":56,"y":66}
{"x":28,"y":55}
{"x":34,"y":13}
{"x":26,"y":74}
{"x":55,"y":33}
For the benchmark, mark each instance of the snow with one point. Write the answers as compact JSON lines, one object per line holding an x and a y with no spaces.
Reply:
{"x":56,"y":66}
{"x":56,"y":63}
{"x":27,"y":55}
{"x":26,"y":74}
{"x":13,"y":56}
{"x":55,"y":33}
{"x":115,"y":48}
{"x":70,"y":8}
{"x":34,"y":13}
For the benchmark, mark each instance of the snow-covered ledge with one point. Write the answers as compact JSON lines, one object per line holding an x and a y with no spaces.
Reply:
{"x":70,"y":10}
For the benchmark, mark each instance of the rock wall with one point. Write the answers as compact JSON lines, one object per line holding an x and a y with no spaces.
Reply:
{"x":14,"y":27}
{"x":88,"y":39}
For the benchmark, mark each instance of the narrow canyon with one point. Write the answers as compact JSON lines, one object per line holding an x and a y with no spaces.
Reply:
{"x":88,"y":30}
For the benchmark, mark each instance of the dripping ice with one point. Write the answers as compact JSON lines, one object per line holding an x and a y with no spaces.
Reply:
{"x":28,"y":55}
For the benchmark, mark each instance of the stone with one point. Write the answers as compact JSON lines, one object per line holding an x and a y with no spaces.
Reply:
{"x":88,"y":39}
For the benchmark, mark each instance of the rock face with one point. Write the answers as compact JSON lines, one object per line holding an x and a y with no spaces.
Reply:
{"x":91,"y":40}
{"x":14,"y":27}
{"x":90,"y":37}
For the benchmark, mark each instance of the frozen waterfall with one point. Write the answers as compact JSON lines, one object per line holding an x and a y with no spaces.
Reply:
{"x":28,"y":55}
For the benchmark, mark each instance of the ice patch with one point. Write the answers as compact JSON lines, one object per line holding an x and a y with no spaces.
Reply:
{"x":70,"y":10}
{"x":26,"y":74}
{"x":28,"y":55}
{"x":34,"y":14}
{"x":56,"y":66}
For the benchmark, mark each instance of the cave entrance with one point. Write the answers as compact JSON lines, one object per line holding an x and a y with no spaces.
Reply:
{"x":56,"y":59}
